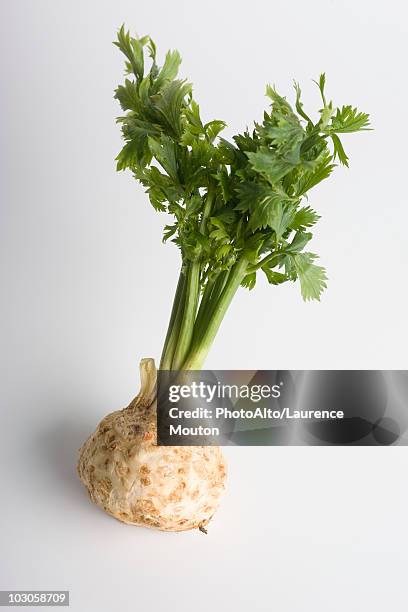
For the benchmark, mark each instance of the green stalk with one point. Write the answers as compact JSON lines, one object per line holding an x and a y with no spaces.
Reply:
{"x":265,"y":260}
{"x":189,"y":313}
{"x":181,"y":326}
{"x":209,"y":285}
{"x":208,"y":304}
{"x":174,"y":324}
{"x":207,"y":208}
{"x":205,"y":300}
{"x":198,"y":353}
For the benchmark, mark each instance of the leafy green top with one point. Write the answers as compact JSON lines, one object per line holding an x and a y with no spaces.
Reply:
{"x":230,"y":199}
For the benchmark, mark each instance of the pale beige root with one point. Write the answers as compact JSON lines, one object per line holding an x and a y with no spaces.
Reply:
{"x":137,"y":482}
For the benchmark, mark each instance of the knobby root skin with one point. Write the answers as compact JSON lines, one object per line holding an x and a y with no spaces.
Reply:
{"x":137,"y":482}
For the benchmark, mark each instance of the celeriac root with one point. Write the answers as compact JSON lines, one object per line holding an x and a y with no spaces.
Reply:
{"x":140,"y":483}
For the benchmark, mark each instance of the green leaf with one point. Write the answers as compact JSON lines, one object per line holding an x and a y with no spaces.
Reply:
{"x":192,"y":113}
{"x":169,"y":231}
{"x":128,"y":96}
{"x":193,"y":124}
{"x":165,"y":151}
{"x":321,"y":83}
{"x":249,"y":281}
{"x":287,"y":131}
{"x":349,"y":119}
{"x":170,"y":103}
{"x":132,"y":48}
{"x":304,"y":217}
{"x":256,"y":181}
{"x":157,"y":198}
{"x":201,"y":153}
{"x":228,"y":154}
{"x":339,"y":151}
{"x":313,"y":145}
{"x":321,"y":171}
{"x":326,"y":114}
{"x":299,"y":104}
{"x":144,"y":91}
{"x":274,"y":278}
{"x":136,"y":129}
{"x":267,"y":207}
{"x":223,"y":251}
{"x":253,"y":245}
{"x":213,"y":128}
{"x":266,"y":163}
{"x":194,"y":204}
{"x":279,"y":103}
{"x":169,"y":70}
{"x":299,"y":242}
{"x":249,"y":193}
{"x":129,"y":156}
{"x":227,"y":216}
{"x":225,"y":182}
{"x":312,"y":277}
{"x":138,"y":59}
{"x":281,"y":217}
{"x":219,"y":235}
{"x":160,"y":187}
{"x":272,"y":212}
{"x":246,"y":142}
{"x":152,"y":49}
{"x":136,"y":152}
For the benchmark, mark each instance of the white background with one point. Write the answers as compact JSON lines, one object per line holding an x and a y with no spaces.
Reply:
{"x":87,"y":287}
